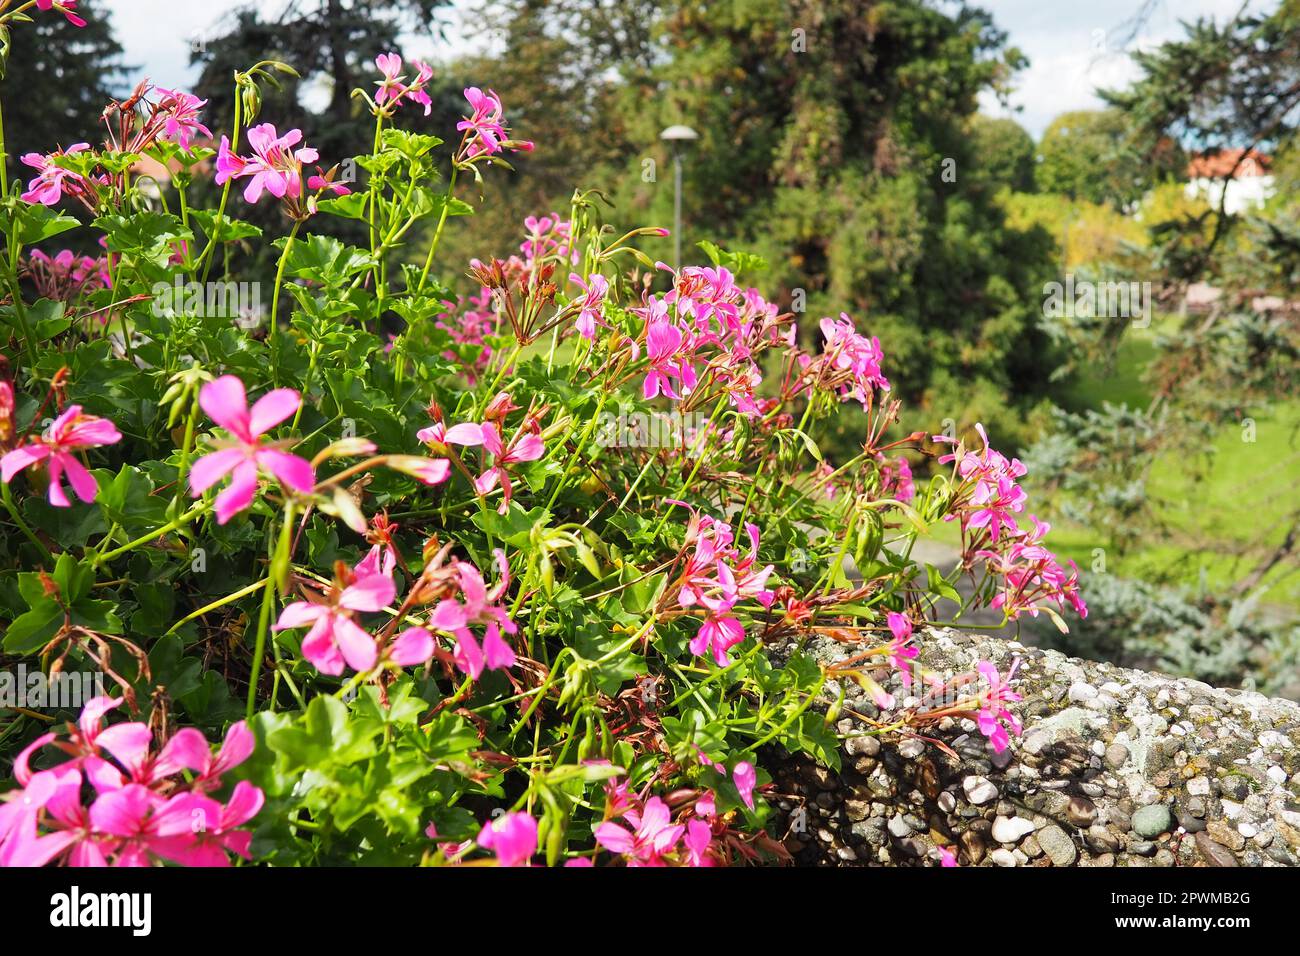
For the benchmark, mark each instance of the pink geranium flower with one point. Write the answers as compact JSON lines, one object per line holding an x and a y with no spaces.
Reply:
{"x":53,"y":180}
{"x":993,"y":717}
{"x":392,"y":87}
{"x":181,"y":113}
{"x":67,"y":434}
{"x":744,"y":776}
{"x":512,"y":837}
{"x":477,"y":605}
{"x":275,"y":167}
{"x":525,"y":446}
{"x":64,"y":7}
{"x":226,"y":403}
{"x":593,"y":300}
{"x":144,"y":808}
{"x":652,"y":835}
{"x":900,"y":625}
{"x":335,"y":637}
{"x":485,"y":130}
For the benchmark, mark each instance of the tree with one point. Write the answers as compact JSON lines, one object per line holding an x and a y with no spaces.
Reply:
{"x":833,"y":141}
{"x":1090,"y":154}
{"x":56,"y":81}
{"x":331,"y":43}
{"x":1005,"y":152}
{"x":558,"y":66}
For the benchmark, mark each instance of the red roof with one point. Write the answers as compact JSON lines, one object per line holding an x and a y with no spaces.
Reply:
{"x":1221,"y":164}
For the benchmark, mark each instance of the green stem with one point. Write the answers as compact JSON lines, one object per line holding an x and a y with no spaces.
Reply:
{"x":22,"y":525}
{"x":168,"y":528}
{"x":699,"y":444}
{"x":4,"y":159}
{"x":225,"y":193}
{"x":437,"y":233}
{"x":187,"y":449}
{"x":20,"y":310}
{"x":275,"y":303}
{"x":268,"y":603}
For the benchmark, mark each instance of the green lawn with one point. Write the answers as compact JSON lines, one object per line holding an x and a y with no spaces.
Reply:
{"x":1220,"y":511}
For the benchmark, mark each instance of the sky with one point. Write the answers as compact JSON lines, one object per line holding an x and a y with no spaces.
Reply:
{"x":1074,"y":46}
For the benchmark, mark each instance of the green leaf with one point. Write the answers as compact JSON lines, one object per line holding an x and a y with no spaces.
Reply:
{"x":33,"y":630}
{"x":325,"y":259}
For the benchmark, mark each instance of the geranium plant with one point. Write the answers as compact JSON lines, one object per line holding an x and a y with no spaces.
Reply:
{"x":500,"y":588}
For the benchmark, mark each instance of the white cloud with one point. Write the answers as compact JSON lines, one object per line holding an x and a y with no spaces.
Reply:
{"x":1074,"y":50}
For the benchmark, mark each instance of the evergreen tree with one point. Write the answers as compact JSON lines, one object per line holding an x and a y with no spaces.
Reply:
{"x":56,"y":81}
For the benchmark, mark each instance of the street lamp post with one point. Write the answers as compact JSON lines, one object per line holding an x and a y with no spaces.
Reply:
{"x":677,"y":137}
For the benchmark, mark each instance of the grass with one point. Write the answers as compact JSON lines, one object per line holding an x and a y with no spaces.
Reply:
{"x":1221,"y":509}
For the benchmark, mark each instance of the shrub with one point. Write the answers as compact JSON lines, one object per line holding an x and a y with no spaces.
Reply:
{"x":500,"y":581}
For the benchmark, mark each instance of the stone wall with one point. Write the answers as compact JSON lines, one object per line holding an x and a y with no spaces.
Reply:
{"x":1115,"y":767}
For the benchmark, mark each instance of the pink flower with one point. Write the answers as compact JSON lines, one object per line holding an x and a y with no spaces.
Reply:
{"x":900,"y":625}
{"x":334,"y":637}
{"x":993,"y":717}
{"x":275,"y":166}
{"x":720,"y":631}
{"x":226,"y":403}
{"x":512,"y":837}
{"x":896,"y":478}
{"x":484,"y":129}
{"x":48,"y":187}
{"x":525,"y":446}
{"x":717,"y":576}
{"x":664,"y":349}
{"x":144,"y":811}
{"x":392,"y":88}
{"x":698,"y":837}
{"x":67,"y":434}
{"x":413,"y":646}
{"x":479,"y":606}
{"x":439,"y":437}
{"x":181,"y":111}
{"x":946,"y":856}
{"x":64,"y":7}
{"x":854,"y":359}
{"x":593,"y":301}
{"x":745,"y":777}
{"x":653,"y":834}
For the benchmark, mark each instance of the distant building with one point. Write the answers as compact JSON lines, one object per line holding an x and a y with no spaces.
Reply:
{"x":1250,"y":185}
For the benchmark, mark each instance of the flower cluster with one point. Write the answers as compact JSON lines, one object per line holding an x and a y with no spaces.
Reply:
{"x":57,"y":446}
{"x":276,"y":167}
{"x":65,"y":276}
{"x":335,"y":637}
{"x":716,"y":577}
{"x":393,"y":88}
{"x":987,"y":500}
{"x":145,"y":805}
{"x":459,"y":597}
{"x":524,"y":446}
{"x":138,"y":123}
{"x":179,"y":113}
{"x":65,"y":7}
{"x":704,"y":335}
{"x":647,"y":835}
{"x":548,"y":237}
{"x":485,"y":131}
{"x":470,"y":321}
{"x":1031,"y":575}
{"x":54,"y":181}
{"x":849,"y":363}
